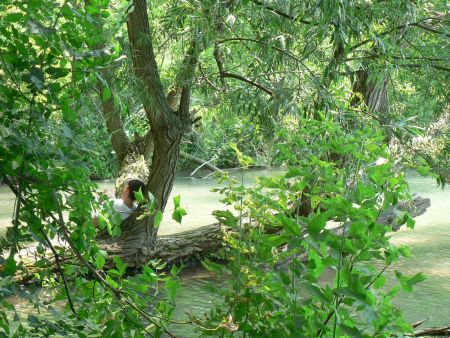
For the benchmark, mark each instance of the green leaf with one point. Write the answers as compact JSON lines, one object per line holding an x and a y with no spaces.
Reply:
{"x":10,"y":267}
{"x":290,"y":225}
{"x":121,"y":267}
{"x":66,"y":11}
{"x":226,"y":217}
{"x":358,"y":228}
{"x":379,"y":282}
{"x":139,"y":196}
{"x":37,"y":77}
{"x":176,"y":201}
{"x":352,"y":332}
{"x":408,"y":282}
{"x":99,"y":261}
{"x":13,"y":17}
{"x":158,"y":219}
{"x":317,"y":224}
{"x":275,"y":240}
{"x":106,"y":94}
{"x":178,"y":214}
{"x":417,"y":278}
{"x":293,"y":172}
{"x":172,"y":286}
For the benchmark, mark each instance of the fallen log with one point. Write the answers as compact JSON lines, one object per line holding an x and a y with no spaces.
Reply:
{"x":432,"y":332}
{"x":416,"y":207}
{"x":199,"y":161}
{"x":197,"y":243}
{"x":208,"y":239}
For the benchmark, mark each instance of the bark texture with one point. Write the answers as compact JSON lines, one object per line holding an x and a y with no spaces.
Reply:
{"x":172,"y":248}
{"x":167,"y":126}
{"x":375,"y":94}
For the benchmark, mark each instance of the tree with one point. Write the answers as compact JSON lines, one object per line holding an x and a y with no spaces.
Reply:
{"x":280,"y":63}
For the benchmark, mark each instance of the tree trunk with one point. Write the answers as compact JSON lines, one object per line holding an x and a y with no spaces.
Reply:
{"x":167,"y":128}
{"x":375,"y":94}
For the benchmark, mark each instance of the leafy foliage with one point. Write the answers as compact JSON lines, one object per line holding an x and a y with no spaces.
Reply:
{"x":281,"y":261}
{"x":262,"y":65}
{"x":48,"y":60}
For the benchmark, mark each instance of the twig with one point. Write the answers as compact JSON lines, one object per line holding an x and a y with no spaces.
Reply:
{"x":58,"y":264}
{"x":247,"y":80}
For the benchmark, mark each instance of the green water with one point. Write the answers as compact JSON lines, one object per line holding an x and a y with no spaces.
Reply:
{"x":196,"y":198}
{"x":429,"y":243}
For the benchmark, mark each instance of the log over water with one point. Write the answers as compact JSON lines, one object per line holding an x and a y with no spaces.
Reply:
{"x":192,"y":244}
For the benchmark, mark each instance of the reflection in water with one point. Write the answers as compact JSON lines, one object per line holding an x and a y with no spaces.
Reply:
{"x":429,"y":243}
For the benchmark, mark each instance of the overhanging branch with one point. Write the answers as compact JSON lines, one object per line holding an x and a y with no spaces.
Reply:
{"x":403,"y":26}
{"x":280,"y":13}
{"x":186,"y":77}
{"x":247,"y":80}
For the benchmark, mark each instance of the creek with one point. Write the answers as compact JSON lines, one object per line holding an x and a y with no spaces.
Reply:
{"x":429,"y":243}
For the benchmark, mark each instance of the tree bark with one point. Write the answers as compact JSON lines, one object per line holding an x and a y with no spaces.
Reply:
{"x":167,"y":127}
{"x":172,"y":248}
{"x":111,"y":114}
{"x":375,"y":94}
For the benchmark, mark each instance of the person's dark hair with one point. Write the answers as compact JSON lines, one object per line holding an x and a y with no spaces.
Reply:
{"x":134,"y":186}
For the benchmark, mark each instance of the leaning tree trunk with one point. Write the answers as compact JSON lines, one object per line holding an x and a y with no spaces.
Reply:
{"x":167,"y":128}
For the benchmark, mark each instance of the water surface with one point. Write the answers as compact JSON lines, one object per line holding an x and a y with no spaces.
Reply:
{"x":429,"y":243}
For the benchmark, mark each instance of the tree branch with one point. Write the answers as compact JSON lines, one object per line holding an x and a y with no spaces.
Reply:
{"x":158,"y":111}
{"x":201,"y":162}
{"x":185,"y":79}
{"x":247,"y":80}
{"x":413,"y":24}
{"x":280,"y":13}
{"x":419,"y":65}
{"x":58,"y":265}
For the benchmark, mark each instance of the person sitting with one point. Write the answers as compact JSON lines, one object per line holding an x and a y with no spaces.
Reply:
{"x":125,"y":205}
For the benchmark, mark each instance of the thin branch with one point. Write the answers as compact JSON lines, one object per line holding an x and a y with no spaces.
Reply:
{"x":419,"y":65}
{"x":430,"y":29}
{"x":280,"y":13}
{"x":413,"y":24}
{"x":247,"y":80}
{"x":204,"y":77}
{"x":58,"y":264}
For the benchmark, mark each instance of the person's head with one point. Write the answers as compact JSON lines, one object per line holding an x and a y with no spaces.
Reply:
{"x":134,"y":185}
